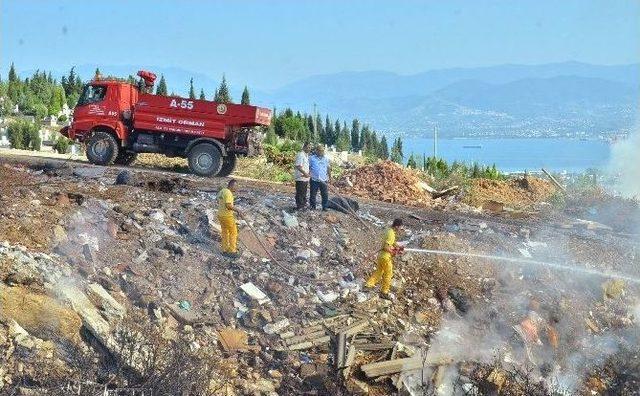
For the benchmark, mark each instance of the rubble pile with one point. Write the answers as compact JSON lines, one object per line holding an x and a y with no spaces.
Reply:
{"x":125,"y":287}
{"x":385,"y":181}
{"x":517,"y":193}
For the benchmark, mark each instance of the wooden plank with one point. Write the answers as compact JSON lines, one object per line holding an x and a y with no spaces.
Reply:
{"x":379,"y":346}
{"x":342,"y":345}
{"x":554,"y":181}
{"x":305,"y":337}
{"x":392,"y":366}
{"x":355,"y":328}
{"x":310,"y":344}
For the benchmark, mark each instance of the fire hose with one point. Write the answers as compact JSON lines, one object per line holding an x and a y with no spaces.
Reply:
{"x":555,"y":266}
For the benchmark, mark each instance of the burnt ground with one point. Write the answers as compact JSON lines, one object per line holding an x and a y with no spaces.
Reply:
{"x":152,"y":245}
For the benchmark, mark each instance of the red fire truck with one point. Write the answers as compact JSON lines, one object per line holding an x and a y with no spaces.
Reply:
{"x":117,"y":120}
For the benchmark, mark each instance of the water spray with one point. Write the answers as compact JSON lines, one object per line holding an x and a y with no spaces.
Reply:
{"x":556,"y":266}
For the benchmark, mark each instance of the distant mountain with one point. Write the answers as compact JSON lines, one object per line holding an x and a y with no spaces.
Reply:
{"x":514,"y":100}
{"x":511,"y":100}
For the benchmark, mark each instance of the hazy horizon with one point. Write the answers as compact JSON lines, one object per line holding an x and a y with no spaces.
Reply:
{"x":270,"y":44}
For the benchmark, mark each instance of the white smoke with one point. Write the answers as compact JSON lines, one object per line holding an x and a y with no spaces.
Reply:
{"x":625,"y":165}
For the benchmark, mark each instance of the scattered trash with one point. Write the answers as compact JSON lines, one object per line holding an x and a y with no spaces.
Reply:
{"x":256,"y":294}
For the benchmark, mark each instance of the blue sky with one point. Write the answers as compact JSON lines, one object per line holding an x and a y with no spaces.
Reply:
{"x":270,"y":43}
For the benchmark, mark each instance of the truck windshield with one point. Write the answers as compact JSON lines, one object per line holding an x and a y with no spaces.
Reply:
{"x":92,"y":94}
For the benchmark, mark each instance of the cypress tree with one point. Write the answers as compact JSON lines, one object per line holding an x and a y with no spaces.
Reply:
{"x":384,"y":148}
{"x":202,"y":97}
{"x":192,"y":92}
{"x":222,"y":94}
{"x":162,"y":86}
{"x":411,"y":163}
{"x":355,"y":135}
{"x":245,"y":100}
{"x":328,"y":132}
{"x":336,"y":132}
{"x":97,"y":73}
{"x":13,"y":76}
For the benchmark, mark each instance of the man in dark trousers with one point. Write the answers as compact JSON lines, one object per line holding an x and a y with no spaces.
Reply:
{"x":301,"y":174}
{"x":320,"y":172}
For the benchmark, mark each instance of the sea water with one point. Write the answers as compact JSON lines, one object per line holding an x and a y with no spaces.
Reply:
{"x":517,"y":154}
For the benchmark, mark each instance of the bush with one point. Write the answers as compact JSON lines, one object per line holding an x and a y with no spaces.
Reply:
{"x":283,"y":154}
{"x":62,"y":145}
{"x":62,"y":118}
{"x":24,"y":135}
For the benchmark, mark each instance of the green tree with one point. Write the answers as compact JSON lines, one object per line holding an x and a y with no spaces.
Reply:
{"x":222,"y":93}
{"x":202,"y":97}
{"x":396,"y":151}
{"x":13,"y":76}
{"x":62,"y":145}
{"x":355,"y":135}
{"x":192,"y":92}
{"x":97,"y":74}
{"x":271,"y":137}
{"x":245,"y":96}
{"x":161,"y":89}
{"x":325,"y":137}
{"x":384,"y":148}
{"x":411,"y":162}
{"x":57,"y":101}
{"x":23,"y":134}
{"x":293,"y":128}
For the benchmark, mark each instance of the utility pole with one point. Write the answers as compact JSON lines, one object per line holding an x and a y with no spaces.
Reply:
{"x":435,"y":141}
{"x":315,"y":125}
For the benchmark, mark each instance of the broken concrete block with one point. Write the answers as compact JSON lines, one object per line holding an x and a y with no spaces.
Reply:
{"x":289,"y":220}
{"x":327,"y":297}
{"x":141,"y":258}
{"x":112,"y":308}
{"x":256,"y":294}
{"x":276,"y":328}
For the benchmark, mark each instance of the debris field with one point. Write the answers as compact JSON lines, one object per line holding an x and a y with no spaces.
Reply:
{"x":112,"y":280}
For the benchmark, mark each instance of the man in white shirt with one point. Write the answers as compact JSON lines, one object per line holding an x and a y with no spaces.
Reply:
{"x":301,"y":175}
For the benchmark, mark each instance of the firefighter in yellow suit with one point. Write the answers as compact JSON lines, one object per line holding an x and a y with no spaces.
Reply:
{"x":227,"y":218}
{"x":384,"y":267}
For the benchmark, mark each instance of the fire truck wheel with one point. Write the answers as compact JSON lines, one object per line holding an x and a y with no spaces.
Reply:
{"x":125,"y":158}
{"x":102,"y":148}
{"x":205,"y":159}
{"x":228,"y":165}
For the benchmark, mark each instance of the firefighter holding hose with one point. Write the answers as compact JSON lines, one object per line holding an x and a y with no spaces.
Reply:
{"x":384,"y":263}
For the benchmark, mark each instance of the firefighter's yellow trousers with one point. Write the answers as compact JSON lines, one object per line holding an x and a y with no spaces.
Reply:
{"x":383,"y":272}
{"x":229,"y":234}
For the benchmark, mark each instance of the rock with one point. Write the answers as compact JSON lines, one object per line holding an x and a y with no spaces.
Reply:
{"x":142,"y":257}
{"x":459,"y":299}
{"x":88,"y":253}
{"x":59,"y":234}
{"x":125,"y":178}
{"x":112,"y":229}
{"x":306,"y":254}
{"x":275,"y":374}
{"x":289,"y":220}
{"x":356,"y":387}
{"x":111,"y":308}
{"x":328,"y":297}
{"x":90,"y":173}
{"x":20,"y":335}
{"x":315,"y":242}
{"x":157,"y":215}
